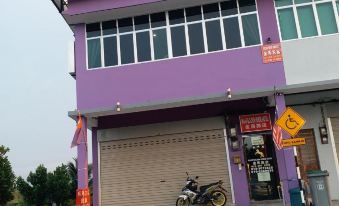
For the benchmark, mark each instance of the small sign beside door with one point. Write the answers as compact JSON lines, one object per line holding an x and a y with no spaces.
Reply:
{"x":271,"y":53}
{"x":255,"y":122}
{"x":293,"y":142}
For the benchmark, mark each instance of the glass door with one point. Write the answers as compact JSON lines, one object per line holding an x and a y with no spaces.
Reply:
{"x":261,"y":165}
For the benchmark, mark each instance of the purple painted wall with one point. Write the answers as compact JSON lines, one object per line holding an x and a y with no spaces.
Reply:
{"x":268,"y":24}
{"x":185,"y":77}
{"x":201,"y":75}
{"x":239,"y":177}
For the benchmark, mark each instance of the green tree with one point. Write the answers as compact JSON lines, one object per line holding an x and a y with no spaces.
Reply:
{"x":35,"y":189}
{"x":7,"y":177}
{"x":59,"y":183}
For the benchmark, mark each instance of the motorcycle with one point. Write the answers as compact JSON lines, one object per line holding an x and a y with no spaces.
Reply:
{"x":213,"y":193}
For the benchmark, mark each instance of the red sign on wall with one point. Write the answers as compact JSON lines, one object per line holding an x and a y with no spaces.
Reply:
{"x":271,"y":53}
{"x":83,"y":197}
{"x":255,"y":122}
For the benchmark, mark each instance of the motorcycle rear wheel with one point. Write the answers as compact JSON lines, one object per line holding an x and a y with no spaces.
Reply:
{"x":182,"y":202}
{"x":218,"y":198}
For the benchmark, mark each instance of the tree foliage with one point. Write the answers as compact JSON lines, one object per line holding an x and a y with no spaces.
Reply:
{"x":35,"y":189}
{"x":59,"y":187}
{"x":59,"y":183}
{"x":7,"y":177}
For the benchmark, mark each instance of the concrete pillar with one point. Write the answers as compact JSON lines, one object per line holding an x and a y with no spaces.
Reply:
{"x":83,"y":159}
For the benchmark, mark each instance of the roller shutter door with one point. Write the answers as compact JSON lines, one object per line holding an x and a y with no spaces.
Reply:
{"x":335,"y":126}
{"x":150,"y":171}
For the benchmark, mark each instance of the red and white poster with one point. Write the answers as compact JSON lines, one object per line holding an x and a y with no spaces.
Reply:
{"x":83,"y":197}
{"x":255,"y":122}
{"x":271,"y":53}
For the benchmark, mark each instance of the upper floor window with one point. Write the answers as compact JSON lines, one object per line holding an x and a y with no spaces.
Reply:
{"x":307,"y":18}
{"x":182,"y":32}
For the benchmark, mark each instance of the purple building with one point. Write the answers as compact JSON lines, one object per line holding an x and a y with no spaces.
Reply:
{"x":163,"y":85}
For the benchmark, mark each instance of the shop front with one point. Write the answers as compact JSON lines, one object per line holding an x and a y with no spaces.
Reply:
{"x":152,"y":157}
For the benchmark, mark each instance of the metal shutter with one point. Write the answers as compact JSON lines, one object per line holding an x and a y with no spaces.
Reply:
{"x":335,"y":127}
{"x":150,"y":171}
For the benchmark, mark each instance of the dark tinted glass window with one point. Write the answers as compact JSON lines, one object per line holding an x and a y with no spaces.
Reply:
{"x":126,"y":49}
{"x":93,"y":30}
{"x":232,"y":33}
{"x":251,"y":29}
{"x":213,"y":33}
{"x":93,"y":53}
{"x":158,"y":19}
{"x":193,"y":13}
{"x":143,"y":46}
{"x":110,"y":49}
{"x":211,"y":11}
{"x":178,"y":41}
{"x":228,"y":7}
{"x":141,"y":22}
{"x":246,"y":6}
{"x":176,"y":16}
{"x":196,"y":38}
{"x":125,"y":25}
{"x":160,"y":44}
{"x":109,"y":27}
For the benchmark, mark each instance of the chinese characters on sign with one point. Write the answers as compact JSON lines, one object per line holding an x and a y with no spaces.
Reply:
{"x":261,"y":165}
{"x":255,"y":122}
{"x":271,"y":53}
{"x":83,"y":197}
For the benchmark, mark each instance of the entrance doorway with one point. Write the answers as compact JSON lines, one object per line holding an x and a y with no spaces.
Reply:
{"x":261,"y":166}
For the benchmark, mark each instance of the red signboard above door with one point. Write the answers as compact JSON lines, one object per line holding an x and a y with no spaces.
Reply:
{"x":255,"y":122}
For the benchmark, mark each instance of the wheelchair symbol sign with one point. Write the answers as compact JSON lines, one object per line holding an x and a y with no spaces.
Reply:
{"x":291,"y":121}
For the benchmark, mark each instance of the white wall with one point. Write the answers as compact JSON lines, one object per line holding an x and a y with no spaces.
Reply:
{"x":312,"y":59}
{"x":327,"y":156}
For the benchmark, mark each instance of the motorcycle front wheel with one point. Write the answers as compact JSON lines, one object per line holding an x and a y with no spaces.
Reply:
{"x":218,"y":198}
{"x":182,"y":202}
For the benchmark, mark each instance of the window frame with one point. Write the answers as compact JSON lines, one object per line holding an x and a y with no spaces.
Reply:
{"x":167,"y":28}
{"x":313,"y":3}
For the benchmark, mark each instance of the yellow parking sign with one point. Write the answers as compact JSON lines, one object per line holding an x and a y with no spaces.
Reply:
{"x":291,"y":121}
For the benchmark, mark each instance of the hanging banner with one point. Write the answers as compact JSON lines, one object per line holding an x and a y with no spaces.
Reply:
{"x":255,"y":122}
{"x":271,"y":53}
{"x":83,"y":197}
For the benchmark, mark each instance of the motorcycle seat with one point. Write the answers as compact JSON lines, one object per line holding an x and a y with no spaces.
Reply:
{"x":205,"y":187}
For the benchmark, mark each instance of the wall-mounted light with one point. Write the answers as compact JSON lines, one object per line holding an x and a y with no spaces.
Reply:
{"x":268,"y":40}
{"x":323,"y":135}
{"x":229,"y":93}
{"x":117,"y":107}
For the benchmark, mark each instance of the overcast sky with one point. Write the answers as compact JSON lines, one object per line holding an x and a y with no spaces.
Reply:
{"x":35,"y":89}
